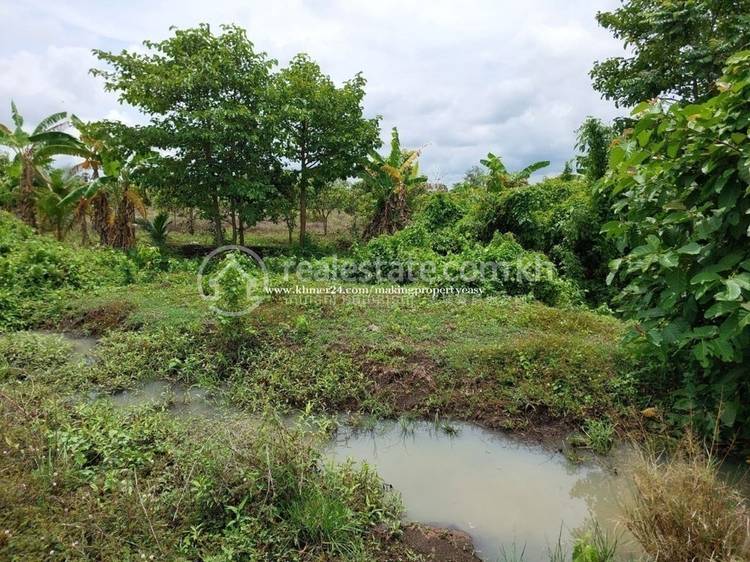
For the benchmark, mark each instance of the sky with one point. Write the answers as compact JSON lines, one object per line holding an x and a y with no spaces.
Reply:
{"x":458,"y":78}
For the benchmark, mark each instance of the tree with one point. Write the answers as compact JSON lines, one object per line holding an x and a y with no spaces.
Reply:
{"x":52,"y":202}
{"x":323,"y":133}
{"x":678,"y":48}
{"x":681,"y":179}
{"x":476,"y":176}
{"x":392,"y":180}
{"x":567,"y":173}
{"x":500,"y":178}
{"x":331,"y":197}
{"x":207,"y":97}
{"x":32,"y":152}
{"x":593,"y":139}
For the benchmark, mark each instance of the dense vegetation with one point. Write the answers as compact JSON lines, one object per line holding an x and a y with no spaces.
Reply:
{"x":613,"y":299}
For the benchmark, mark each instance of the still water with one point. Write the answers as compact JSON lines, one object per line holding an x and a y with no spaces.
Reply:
{"x":502,"y":493}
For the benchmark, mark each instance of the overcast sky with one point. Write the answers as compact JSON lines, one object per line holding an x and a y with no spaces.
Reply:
{"x":460,"y":78}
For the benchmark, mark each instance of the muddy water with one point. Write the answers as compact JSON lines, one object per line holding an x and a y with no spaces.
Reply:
{"x":181,"y":400}
{"x":500,"y":492}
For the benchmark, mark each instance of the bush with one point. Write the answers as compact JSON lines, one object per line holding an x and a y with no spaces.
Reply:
{"x":33,"y":267}
{"x":680,"y":180}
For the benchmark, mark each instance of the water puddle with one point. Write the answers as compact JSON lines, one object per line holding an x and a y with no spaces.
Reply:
{"x":83,"y":346}
{"x":498,"y":491}
{"x":179,"y":399}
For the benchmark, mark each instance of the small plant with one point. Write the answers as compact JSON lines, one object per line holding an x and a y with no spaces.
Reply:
{"x":158,"y":228}
{"x":302,"y":326}
{"x":594,"y":545}
{"x":600,"y":435}
{"x":513,"y":554}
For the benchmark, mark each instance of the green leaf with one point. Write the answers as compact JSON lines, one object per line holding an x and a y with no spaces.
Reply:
{"x":692,"y":248}
{"x":721,"y":308}
{"x":732,"y":292}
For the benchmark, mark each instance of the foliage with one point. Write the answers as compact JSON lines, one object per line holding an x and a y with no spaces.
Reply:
{"x":158,"y":228}
{"x":53,"y":204}
{"x":322,"y":130}
{"x":600,"y":435}
{"x":33,"y":152}
{"x":138,"y":486}
{"x":680,"y":179}
{"x":333,"y":196}
{"x":33,"y":266}
{"x":438,"y":250}
{"x":392,"y":182}
{"x":678,"y":48}
{"x":501,"y":179}
{"x":557,"y":217}
{"x":593,"y":140}
{"x":594,"y":546}
{"x":207,"y":96}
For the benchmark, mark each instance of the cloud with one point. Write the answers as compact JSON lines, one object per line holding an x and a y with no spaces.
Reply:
{"x":459,"y":79}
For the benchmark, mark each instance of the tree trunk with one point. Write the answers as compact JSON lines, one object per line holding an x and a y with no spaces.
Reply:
{"x":101,"y":220}
{"x":241,"y":228}
{"x":233,"y":215}
{"x":84,"y":230}
{"x":290,"y":229}
{"x":190,"y":221}
{"x":302,"y":209}
{"x":26,"y":208}
{"x":216,"y":219}
{"x":303,"y":187}
{"x":325,"y":224}
{"x":123,"y":232}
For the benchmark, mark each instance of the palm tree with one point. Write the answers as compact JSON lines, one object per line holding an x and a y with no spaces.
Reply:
{"x":501,"y":178}
{"x":392,"y":180}
{"x":158,"y":228}
{"x":32,"y":152}
{"x":53,"y":204}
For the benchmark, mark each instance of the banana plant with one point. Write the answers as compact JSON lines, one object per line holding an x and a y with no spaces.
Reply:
{"x":58,"y":215}
{"x":501,"y":178}
{"x":32,"y":153}
{"x":98,"y":205}
{"x":118,"y":186}
{"x":391,"y":180}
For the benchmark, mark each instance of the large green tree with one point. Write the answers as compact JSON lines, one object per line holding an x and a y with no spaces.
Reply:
{"x":207,"y":97}
{"x":677,"y":48}
{"x":323,"y":133}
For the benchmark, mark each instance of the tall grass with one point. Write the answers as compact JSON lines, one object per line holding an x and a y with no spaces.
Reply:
{"x":683,"y":512}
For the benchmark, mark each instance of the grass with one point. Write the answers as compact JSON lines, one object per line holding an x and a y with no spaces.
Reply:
{"x":683,"y":510}
{"x":523,"y":364}
{"x":84,"y":481}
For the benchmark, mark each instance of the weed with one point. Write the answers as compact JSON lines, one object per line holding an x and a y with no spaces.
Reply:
{"x":682,"y":510}
{"x":599,"y":435}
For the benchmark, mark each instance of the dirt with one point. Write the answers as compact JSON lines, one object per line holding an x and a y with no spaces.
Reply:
{"x":433,"y":545}
{"x":101,"y":319}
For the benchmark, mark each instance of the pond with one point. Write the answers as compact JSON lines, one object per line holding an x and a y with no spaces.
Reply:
{"x":499,"y":491}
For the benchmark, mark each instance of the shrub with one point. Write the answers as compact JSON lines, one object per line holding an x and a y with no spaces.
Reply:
{"x":680,"y":180}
